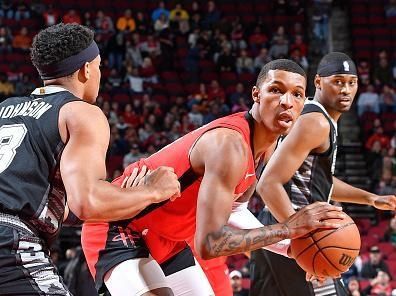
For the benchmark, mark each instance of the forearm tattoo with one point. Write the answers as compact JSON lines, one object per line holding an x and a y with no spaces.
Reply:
{"x":230,"y":241}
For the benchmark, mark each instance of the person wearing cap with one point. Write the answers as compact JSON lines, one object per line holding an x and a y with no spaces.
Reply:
{"x":236,"y":284}
{"x":300,"y":172}
{"x":374,"y":264}
{"x":53,"y":145}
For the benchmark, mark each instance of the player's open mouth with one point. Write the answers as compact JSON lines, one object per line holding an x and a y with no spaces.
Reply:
{"x":285,"y":119}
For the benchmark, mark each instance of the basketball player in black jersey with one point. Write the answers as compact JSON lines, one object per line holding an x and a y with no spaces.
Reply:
{"x":54,"y":142}
{"x":300,"y":172}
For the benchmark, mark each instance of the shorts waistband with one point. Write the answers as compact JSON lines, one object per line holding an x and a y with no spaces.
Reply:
{"x":16,"y":222}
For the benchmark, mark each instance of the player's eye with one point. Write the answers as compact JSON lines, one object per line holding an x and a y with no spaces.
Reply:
{"x":275,"y":90}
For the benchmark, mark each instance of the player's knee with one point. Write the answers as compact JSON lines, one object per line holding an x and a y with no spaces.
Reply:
{"x":159,"y":292}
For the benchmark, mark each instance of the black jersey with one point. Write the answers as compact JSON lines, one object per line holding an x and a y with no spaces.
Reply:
{"x":313,"y":181}
{"x":30,"y":150}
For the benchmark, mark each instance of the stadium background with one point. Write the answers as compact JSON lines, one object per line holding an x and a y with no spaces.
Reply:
{"x":167,"y":70}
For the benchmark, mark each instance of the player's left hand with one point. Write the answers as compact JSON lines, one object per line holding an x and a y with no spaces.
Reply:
{"x":385,"y":202}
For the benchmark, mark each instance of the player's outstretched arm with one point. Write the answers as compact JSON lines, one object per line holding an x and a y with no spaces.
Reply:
{"x":310,"y":132}
{"x":85,"y":130}
{"x":224,"y":157}
{"x":344,"y":192}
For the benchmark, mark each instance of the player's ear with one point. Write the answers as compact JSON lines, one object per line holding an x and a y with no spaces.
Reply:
{"x":83,"y":73}
{"x":256,"y":94}
{"x":317,"y":81}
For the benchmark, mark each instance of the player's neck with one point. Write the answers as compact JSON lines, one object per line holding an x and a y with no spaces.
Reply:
{"x":263,"y":139}
{"x":68,"y":84}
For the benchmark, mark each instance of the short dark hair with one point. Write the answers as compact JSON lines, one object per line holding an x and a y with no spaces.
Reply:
{"x":59,"y":42}
{"x":280,"y":64}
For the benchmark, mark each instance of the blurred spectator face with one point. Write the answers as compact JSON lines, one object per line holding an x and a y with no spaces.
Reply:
{"x":128,"y":108}
{"x":383,"y":278}
{"x":375,"y":255}
{"x":393,"y":223}
{"x":240,"y":88}
{"x":128,"y":13}
{"x":383,"y":62}
{"x":376,"y":146}
{"x":236,"y":280}
{"x":353,"y":285}
{"x":280,"y":30}
{"x":214,"y":84}
{"x":211,"y":6}
{"x":24,"y":31}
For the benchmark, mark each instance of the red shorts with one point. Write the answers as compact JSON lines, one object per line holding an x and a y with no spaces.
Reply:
{"x":106,"y":245}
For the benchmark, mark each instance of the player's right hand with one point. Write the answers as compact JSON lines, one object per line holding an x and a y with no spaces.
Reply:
{"x":312,"y":217}
{"x":164,"y":182}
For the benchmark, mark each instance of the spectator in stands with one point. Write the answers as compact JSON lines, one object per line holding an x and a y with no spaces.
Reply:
{"x":237,"y":37}
{"x":390,"y":8}
{"x":6,"y":87}
{"x":133,"y":53}
{"x":6,"y":9}
{"x":50,"y":16}
{"x":299,"y":43}
{"x":145,"y":131}
{"x":375,"y":264}
{"x":238,"y":93}
{"x":133,"y":155}
{"x":161,"y":23}
{"x":364,"y":72}
{"x":116,"y":50}
{"x":279,"y":49}
{"x":142,"y":24}
{"x":151,"y":46}
{"x":5,"y":40}
{"x":126,"y":23}
{"x":216,"y":92}
{"x":262,"y":59}
{"x":148,"y":71}
{"x":354,"y":287}
{"x":380,"y":285}
{"x":22,"y":41}
{"x":383,"y":72}
{"x":71,"y":17}
{"x":135,"y":81}
{"x":195,"y":116}
{"x":24,"y":86}
{"x":244,"y":63}
{"x":178,"y":14}
{"x":22,"y":11}
{"x":257,"y":40}
{"x":87,"y":20}
{"x":393,"y":141}
{"x":236,"y":284}
{"x":388,"y":99}
{"x":368,"y":101}
{"x":240,"y":106}
{"x":378,"y":136}
{"x":296,"y":56}
{"x":158,"y":11}
{"x":226,"y":60}
{"x":387,"y":184}
{"x":374,"y":163}
{"x":174,"y":133}
{"x":114,"y":78}
{"x":390,"y":234}
{"x":103,"y":23}
{"x":212,"y":17}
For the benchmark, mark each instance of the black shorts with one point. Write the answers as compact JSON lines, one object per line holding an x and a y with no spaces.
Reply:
{"x":25,"y":266}
{"x":273,"y":274}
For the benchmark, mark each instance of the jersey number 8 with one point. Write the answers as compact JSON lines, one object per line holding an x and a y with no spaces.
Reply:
{"x":11,"y":137}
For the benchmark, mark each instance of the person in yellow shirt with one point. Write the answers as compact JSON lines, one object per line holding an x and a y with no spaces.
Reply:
{"x":126,"y":22}
{"x":178,"y":14}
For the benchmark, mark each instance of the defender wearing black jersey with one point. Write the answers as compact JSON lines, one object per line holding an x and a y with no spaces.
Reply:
{"x":54,"y":142}
{"x":300,"y":172}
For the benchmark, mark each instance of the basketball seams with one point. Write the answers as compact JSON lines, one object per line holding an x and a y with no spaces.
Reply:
{"x":316,"y":241}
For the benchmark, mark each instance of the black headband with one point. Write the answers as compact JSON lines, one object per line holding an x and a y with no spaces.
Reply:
{"x":337,"y":67}
{"x":70,"y":64}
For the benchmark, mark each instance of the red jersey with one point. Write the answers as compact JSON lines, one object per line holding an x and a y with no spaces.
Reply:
{"x":176,"y":220}
{"x":167,"y":222}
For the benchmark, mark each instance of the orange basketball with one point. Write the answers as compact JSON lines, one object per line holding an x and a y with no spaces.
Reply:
{"x":329,"y":252}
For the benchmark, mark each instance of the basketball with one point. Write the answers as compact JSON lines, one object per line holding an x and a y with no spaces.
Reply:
{"x":328,"y":252}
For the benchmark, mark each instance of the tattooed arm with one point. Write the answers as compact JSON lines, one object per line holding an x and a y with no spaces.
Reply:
{"x":221,"y":157}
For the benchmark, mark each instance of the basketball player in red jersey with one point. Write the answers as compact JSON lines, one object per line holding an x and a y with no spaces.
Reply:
{"x":216,"y":166}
